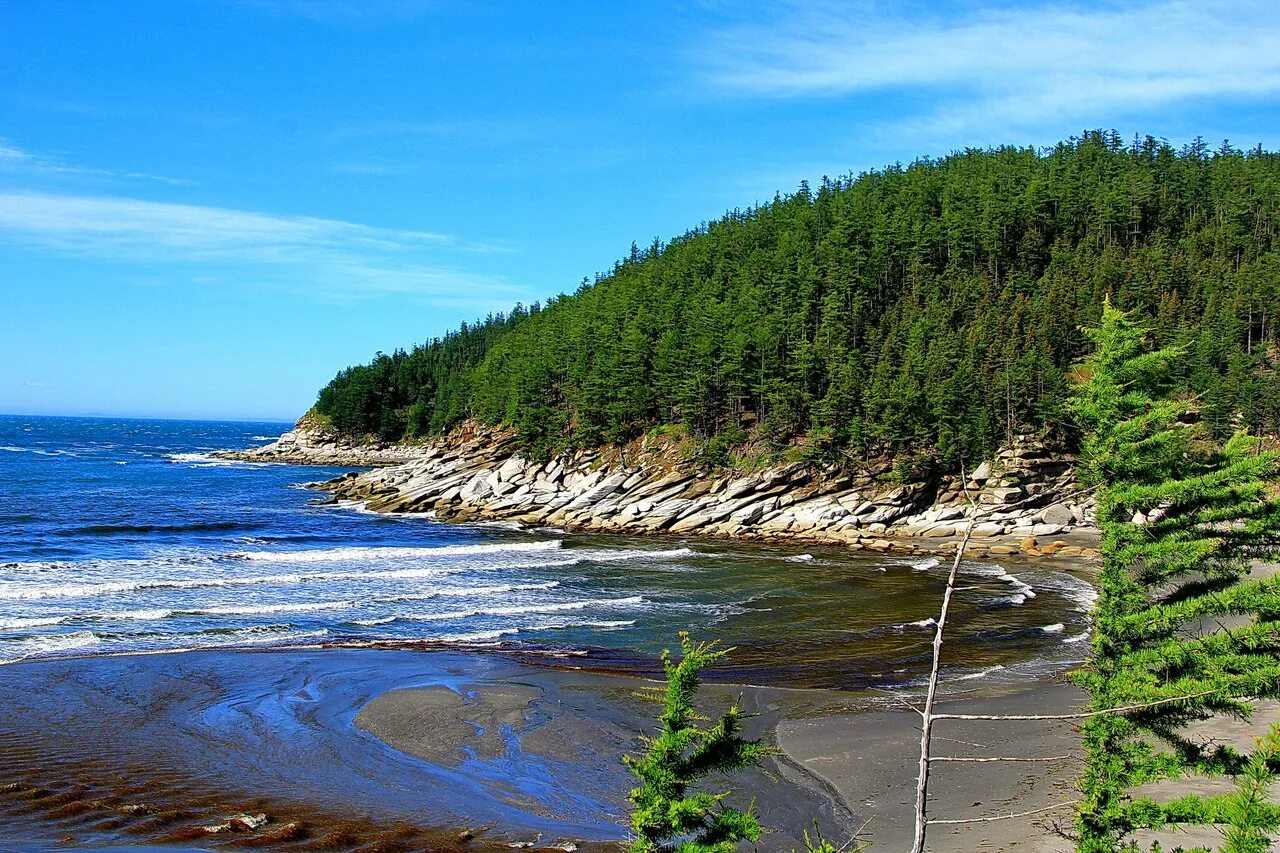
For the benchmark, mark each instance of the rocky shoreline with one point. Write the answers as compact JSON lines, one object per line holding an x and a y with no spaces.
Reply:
{"x":311,"y":443}
{"x":1026,"y":498}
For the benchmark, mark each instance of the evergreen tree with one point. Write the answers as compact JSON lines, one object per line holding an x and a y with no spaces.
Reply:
{"x":930,"y":309}
{"x":665,"y":816}
{"x":1182,"y":518}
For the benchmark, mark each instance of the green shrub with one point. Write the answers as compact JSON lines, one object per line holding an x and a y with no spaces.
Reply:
{"x":666,"y":815}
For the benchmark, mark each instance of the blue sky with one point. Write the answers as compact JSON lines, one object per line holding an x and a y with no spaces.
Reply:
{"x":207,"y":208}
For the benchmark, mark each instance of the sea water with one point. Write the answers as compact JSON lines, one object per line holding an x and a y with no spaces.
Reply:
{"x":127,"y":536}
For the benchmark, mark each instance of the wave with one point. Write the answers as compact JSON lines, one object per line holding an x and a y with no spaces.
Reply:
{"x":635,"y":554}
{"x":328,"y":555}
{"x":1079,"y":592}
{"x":1078,"y":638}
{"x":55,"y":645}
{"x":89,"y":590}
{"x":9,"y":448}
{"x":31,"y":622}
{"x":923,"y":564}
{"x":1055,"y":628}
{"x":979,"y":674}
{"x":466,"y":591}
{"x":189,"y":457}
{"x":800,"y":558}
{"x":369,"y":623}
{"x":1022,"y":589}
{"x":498,"y":633}
{"x":929,"y":622}
{"x":524,"y":609}
{"x":112,"y":529}
{"x":49,"y":644}
{"x":208,"y":460}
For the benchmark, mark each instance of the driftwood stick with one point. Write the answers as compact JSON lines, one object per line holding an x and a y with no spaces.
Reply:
{"x":1082,"y":715}
{"x":1053,"y":807}
{"x":933,"y":759}
{"x":926,"y":714}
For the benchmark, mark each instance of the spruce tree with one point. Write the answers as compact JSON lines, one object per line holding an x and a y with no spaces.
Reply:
{"x":665,"y":815}
{"x":1182,"y":519}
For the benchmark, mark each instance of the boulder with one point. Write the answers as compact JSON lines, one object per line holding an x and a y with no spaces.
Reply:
{"x":1059,"y":514}
{"x":1047,"y":529}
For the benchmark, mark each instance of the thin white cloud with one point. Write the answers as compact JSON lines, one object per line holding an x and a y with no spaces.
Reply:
{"x":320,"y":256}
{"x":1017,"y":63}
{"x":15,"y":159}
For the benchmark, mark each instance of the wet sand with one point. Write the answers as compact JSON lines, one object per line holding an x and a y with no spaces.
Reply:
{"x":364,"y":749}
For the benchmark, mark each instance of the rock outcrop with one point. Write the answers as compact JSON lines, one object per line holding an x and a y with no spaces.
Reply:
{"x":1026,"y":499}
{"x":311,"y":442}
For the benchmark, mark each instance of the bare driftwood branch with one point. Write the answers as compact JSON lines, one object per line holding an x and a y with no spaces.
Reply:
{"x":937,"y":758}
{"x":926,"y":714}
{"x":994,"y":818}
{"x":1082,"y":715}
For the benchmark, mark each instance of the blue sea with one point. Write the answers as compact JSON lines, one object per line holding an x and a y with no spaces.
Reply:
{"x":126,"y":536}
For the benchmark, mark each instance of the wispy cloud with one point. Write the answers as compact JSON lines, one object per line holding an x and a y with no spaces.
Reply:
{"x":324,"y":257}
{"x":15,"y":159}
{"x":1013,"y":64}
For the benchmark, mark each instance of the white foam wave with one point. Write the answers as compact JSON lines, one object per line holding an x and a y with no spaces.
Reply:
{"x":328,"y":555}
{"x":525,"y":609}
{"x":1078,"y":638}
{"x":147,"y":615}
{"x":268,"y":609}
{"x":922,"y":564}
{"x":800,"y":558}
{"x":635,"y":554}
{"x":369,"y":623}
{"x":31,"y":622}
{"x":467,"y":591}
{"x":47,"y":643}
{"x":496,"y":633}
{"x":189,"y":457}
{"x":56,"y":645}
{"x":930,"y":622}
{"x":1021,"y":589}
{"x":1055,"y":628}
{"x":979,"y":674}
{"x":1079,"y":592}
{"x":90,"y":590}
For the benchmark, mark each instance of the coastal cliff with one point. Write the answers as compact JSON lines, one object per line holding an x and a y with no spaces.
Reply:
{"x":1027,"y":499}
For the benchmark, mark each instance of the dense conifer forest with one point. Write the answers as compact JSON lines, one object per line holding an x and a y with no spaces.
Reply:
{"x":927,"y":310}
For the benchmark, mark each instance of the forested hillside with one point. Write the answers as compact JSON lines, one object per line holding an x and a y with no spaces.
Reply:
{"x":930,"y":309}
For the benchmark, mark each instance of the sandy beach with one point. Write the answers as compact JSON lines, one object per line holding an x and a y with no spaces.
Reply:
{"x":342,"y":749}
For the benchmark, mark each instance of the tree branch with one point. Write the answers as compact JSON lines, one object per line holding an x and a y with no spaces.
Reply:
{"x":1053,"y":807}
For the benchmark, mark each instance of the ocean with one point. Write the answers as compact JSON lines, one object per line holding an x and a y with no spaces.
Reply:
{"x":125,"y":536}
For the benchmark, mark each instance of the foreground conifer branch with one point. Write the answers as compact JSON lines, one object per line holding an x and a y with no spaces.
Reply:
{"x":665,"y":815}
{"x":1182,"y":520}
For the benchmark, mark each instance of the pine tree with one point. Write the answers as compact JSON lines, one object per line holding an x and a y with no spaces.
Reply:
{"x":665,"y":816}
{"x":1182,"y":518}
